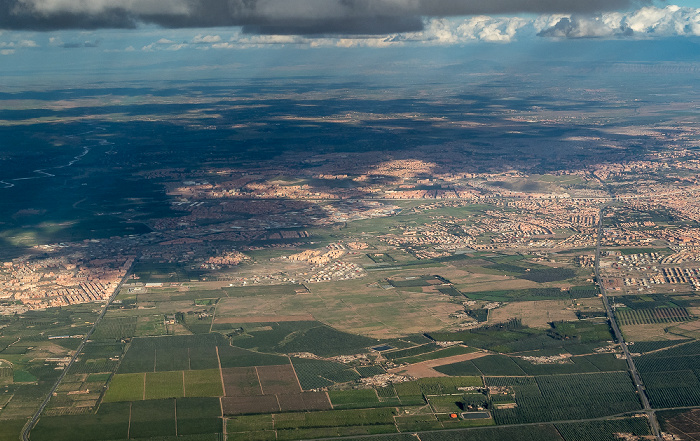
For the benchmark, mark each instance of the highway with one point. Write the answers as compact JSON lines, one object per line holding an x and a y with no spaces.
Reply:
{"x":24,"y":436}
{"x":641,"y":391}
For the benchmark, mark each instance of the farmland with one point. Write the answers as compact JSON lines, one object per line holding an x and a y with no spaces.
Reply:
{"x":561,"y":397}
{"x":288,"y":379}
{"x":671,"y":375}
{"x":434,"y":315}
{"x":322,"y":250}
{"x":256,"y":379}
{"x":659,"y":315}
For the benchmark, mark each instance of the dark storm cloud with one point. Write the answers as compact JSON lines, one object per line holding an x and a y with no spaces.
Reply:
{"x":336,"y":26}
{"x":300,"y":17}
{"x":16,"y":15}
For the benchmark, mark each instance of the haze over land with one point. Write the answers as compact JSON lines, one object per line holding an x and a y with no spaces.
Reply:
{"x":257,"y":220}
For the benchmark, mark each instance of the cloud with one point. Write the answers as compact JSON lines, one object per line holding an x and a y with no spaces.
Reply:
{"x":279,"y":17}
{"x":586,"y":27}
{"x":206,"y":39}
{"x":20,"y":44}
{"x":27,"y":43}
{"x":646,"y":22}
{"x":7,"y":51}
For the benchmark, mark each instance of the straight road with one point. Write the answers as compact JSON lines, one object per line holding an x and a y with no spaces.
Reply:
{"x":24,"y":436}
{"x":641,"y":391}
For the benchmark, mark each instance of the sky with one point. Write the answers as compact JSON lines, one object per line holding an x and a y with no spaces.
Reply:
{"x":51,"y":38}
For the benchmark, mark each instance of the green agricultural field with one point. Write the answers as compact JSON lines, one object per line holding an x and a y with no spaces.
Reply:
{"x":412,"y":392}
{"x":647,"y":346}
{"x":152,"y":418}
{"x":388,"y":437}
{"x":139,"y":358}
{"x":512,"y":336}
{"x":203,"y":357}
{"x":98,"y":378}
{"x":20,"y":376}
{"x":462,"y":368}
{"x":495,"y":365}
{"x":98,"y":357}
{"x":198,"y":415}
{"x":10,"y":429}
{"x":410,"y":352}
{"x":203,"y":383}
{"x":164,"y":385}
{"x":415,"y":423}
{"x":172,"y":359}
{"x":567,"y":397}
{"x":322,"y":432}
{"x":580,"y":364}
{"x":314,"y":374}
{"x":250,"y":423}
{"x":182,"y":352}
{"x":115,"y":328}
{"x":527,"y":433}
{"x":644,"y":316}
{"x":232,"y":356}
{"x":294,"y":426}
{"x":125,"y":387}
{"x":110,"y":422}
{"x":313,"y":337}
{"x":370,"y":371}
{"x":150,"y":325}
{"x":672,"y":376}
{"x":349,"y":399}
{"x":677,"y":388}
{"x":334,"y":418}
{"x":456,"y":403}
{"x":657,"y":303}
{"x":603,"y":430}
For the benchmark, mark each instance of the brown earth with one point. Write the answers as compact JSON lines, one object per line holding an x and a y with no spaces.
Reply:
{"x":265,"y":319}
{"x":425,"y":369}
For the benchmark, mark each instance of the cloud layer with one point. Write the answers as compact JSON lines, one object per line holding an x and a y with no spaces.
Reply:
{"x":280,"y":17}
{"x":646,"y":22}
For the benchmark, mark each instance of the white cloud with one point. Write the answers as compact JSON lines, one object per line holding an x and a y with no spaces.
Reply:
{"x":177,"y":47}
{"x":164,"y":41}
{"x":354,"y":42}
{"x":223,"y":45}
{"x":671,"y":20}
{"x":501,"y":29}
{"x":7,"y":51}
{"x":203,"y":39}
{"x":648,"y":22}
